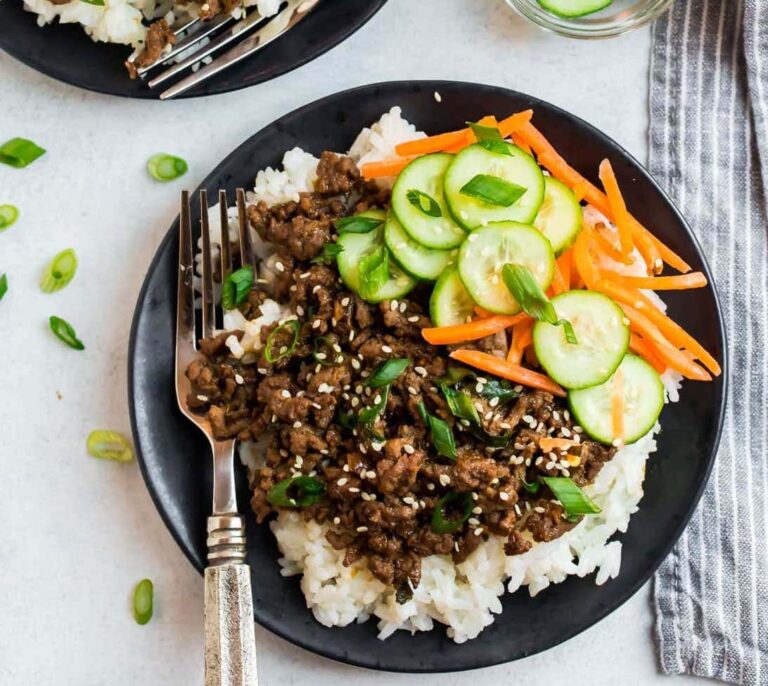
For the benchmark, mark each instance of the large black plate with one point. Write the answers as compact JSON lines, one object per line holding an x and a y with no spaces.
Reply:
{"x":66,"y":53}
{"x":175,"y":458}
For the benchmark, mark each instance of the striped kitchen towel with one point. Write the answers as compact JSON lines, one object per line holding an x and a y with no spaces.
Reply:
{"x":709,"y":148}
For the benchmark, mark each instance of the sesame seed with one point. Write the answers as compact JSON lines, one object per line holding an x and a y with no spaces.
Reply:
{"x":342,"y":481}
{"x":413,"y":318}
{"x":475,"y":496}
{"x":479,"y":388}
{"x":578,"y":429}
{"x":438,"y":97}
{"x":493,"y":402}
{"x":337,"y":520}
{"x":355,"y":364}
{"x":305,"y":275}
{"x":617,"y":443}
{"x":386,"y":349}
{"x":393,"y":305}
{"x":315,"y":289}
{"x":477,"y":510}
{"x":504,"y":495}
{"x":528,"y":419}
{"x":239,"y":379}
{"x":355,"y":402}
{"x":488,"y":415}
{"x":351,"y":336}
{"x":518,"y":511}
{"x":408,"y":500}
{"x":361,"y":529}
{"x":300,"y":310}
{"x":539,"y":460}
{"x":421,"y":371}
{"x":473,"y":521}
{"x":285,"y":394}
{"x":354,"y":490}
{"x":402,"y":307}
{"x":539,"y":509}
{"x":370,"y":474}
{"x":280,"y":266}
{"x":444,"y":479}
{"x":430,"y":487}
{"x":345,"y":302}
{"x":479,"y":531}
{"x":377,"y":446}
{"x":202,"y":398}
{"x":412,"y":390}
{"x":297,"y":425}
{"x":409,"y":449}
{"x":505,"y":425}
{"x":316,"y":324}
{"x":549,"y":465}
{"x":565,"y":431}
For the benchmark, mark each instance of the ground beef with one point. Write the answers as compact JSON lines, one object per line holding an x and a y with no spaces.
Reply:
{"x":159,"y":35}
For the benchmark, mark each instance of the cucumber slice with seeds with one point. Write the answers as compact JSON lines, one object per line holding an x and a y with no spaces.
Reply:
{"x":489,"y":248}
{"x":559,"y":217}
{"x":450,"y":303}
{"x":643,"y":395}
{"x":574,"y":8}
{"x":425,"y":174}
{"x":602,"y":332}
{"x":518,"y":168}
{"x":423,"y":263}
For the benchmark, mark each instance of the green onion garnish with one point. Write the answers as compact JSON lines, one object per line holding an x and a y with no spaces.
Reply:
{"x":64,"y":332}
{"x":357,"y":224}
{"x":143,"y":601}
{"x":452,"y":510}
{"x":164,"y":167}
{"x":328,"y":254}
{"x":326,"y":352}
{"x":485,"y":133}
{"x":424,"y":202}
{"x":491,"y":388}
{"x":347,"y":420}
{"x":98,"y":3}
{"x":271,"y":356}
{"x":109,"y":445}
{"x":493,"y":190}
{"x":386,"y":372}
{"x":3,"y":285}
{"x":8,"y":216}
{"x":526,"y":290}
{"x":374,"y":272}
{"x":574,"y":501}
{"x":460,"y":405}
{"x":296,"y":491}
{"x":236,"y":288}
{"x":532,"y":487}
{"x":19,"y":152}
{"x":497,"y":146}
{"x":441,"y":432}
{"x":368,"y":415}
{"x":59,"y":271}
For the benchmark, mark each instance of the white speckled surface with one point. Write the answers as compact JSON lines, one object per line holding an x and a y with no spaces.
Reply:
{"x":78,"y":533}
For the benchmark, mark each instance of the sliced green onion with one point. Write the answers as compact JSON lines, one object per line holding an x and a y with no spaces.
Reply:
{"x":460,"y":506}
{"x":368,"y":415}
{"x":164,"y":167}
{"x":59,"y":271}
{"x":386,"y":372}
{"x":63,"y":330}
{"x":98,"y":3}
{"x":574,"y":501}
{"x":424,"y":202}
{"x":236,"y":288}
{"x":347,"y":420}
{"x":20,"y":152}
{"x":291,"y":325}
{"x":493,"y":190}
{"x":3,"y":285}
{"x":440,"y":431}
{"x":526,"y":290}
{"x":329,"y":356}
{"x":532,"y":487}
{"x":109,"y":445}
{"x":460,"y":405}
{"x":491,"y":388}
{"x":357,"y":224}
{"x":296,"y":491}
{"x":328,"y":254}
{"x":497,"y":146}
{"x":143,"y":601}
{"x":374,"y":272}
{"x":485,"y":133}
{"x":8,"y":216}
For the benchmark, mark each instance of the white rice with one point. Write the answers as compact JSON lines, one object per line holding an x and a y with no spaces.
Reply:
{"x":464,"y":597}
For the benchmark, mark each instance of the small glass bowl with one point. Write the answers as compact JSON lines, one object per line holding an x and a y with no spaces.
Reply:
{"x":620,"y":17}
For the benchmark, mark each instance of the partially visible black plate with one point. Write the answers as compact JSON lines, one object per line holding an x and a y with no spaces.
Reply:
{"x":175,"y":458}
{"x":66,"y":53}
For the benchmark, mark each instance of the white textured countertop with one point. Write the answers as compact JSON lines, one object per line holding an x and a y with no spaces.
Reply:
{"x":78,"y":532}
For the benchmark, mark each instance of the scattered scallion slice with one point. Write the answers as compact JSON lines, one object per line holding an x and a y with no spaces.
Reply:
{"x":328,"y":254}
{"x":485,"y":133}
{"x":368,"y":414}
{"x":271,"y":356}
{"x":98,"y":3}
{"x":526,"y":290}
{"x":374,"y":272}
{"x":574,"y":501}
{"x":3,"y":285}
{"x":325,"y":352}
{"x":236,"y":287}
{"x":493,"y":190}
{"x":489,"y":389}
{"x":452,"y":510}
{"x":8,"y":216}
{"x":357,"y":224}
{"x":63,"y":330}
{"x":532,"y":487}
{"x":143,"y":601}
{"x":440,"y":431}
{"x":20,"y":152}
{"x":460,"y":405}
{"x":164,"y":167}
{"x":386,"y":372}
{"x":59,"y":271}
{"x":296,"y":491}
{"x":109,"y":445}
{"x":498,"y":147}
{"x":424,"y":202}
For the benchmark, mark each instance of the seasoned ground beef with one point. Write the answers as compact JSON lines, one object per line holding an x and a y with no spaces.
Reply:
{"x":382,"y":480}
{"x":159,"y":35}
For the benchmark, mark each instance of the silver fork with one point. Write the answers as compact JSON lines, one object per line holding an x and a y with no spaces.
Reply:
{"x":247,"y":44}
{"x":230,"y":648}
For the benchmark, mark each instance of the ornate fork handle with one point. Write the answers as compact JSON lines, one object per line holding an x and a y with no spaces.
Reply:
{"x":230,"y":646}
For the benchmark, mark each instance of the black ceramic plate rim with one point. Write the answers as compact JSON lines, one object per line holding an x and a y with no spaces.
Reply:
{"x":649,"y":569}
{"x":55,"y":73}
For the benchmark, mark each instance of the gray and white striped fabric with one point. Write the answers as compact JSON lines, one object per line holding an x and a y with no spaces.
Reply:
{"x":709,"y":148}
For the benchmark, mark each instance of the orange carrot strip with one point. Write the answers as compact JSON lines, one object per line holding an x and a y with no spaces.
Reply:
{"x":618,"y":206}
{"x":454,"y":149}
{"x":469,"y":137}
{"x":559,"y":284}
{"x":667,"y":254}
{"x":548,"y":444}
{"x":513,"y":372}
{"x":673,"y":332}
{"x":511,"y":124}
{"x":582,"y":258}
{"x":680,"y":282}
{"x":480,"y":312}
{"x":390,"y":167}
{"x":617,"y":406}
{"x":520,"y":143}
{"x":424,"y":146}
{"x":606,"y":246}
{"x":639,"y":346}
{"x":472,"y":331}
{"x":522,"y":337}
{"x":564,"y":265}
{"x":651,"y":255}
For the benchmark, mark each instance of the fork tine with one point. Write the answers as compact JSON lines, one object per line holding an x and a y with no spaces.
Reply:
{"x":246,"y":250}
{"x":209,"y":312}
{"x":185,"y":294}
{"x":224,"y":248}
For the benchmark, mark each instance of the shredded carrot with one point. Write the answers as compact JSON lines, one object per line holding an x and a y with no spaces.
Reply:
{"x":564,"y":266}
{"x":480,"y":312}
{"x":390,"y":167}
{"x":548,"y":444}
{"x":579,"y":190}
{"x":438,"y":143}
{"x":681,"y":282}
{"x":651,"y":255}
{"x":666,"y":253}
{"x":472,"y":331}
{"x":617,"y":406}
{"x":618,"y":206}
{"x":455,"y":149}
{"x":520,"y":143}
{"x":606,"y":246}
{"x":559,"y":282}
{"x":639,"y":346}
{"x":513,"y":372}
{"x":582,"y":258}
{"x":511,"y":124}
{"x":522,"y":337}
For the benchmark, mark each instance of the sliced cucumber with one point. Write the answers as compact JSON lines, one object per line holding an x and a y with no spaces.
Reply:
{"x":518,"y":167}
{"x":423,"y":263}
{"x":489,"y":248}
{"x":602,"y":332}
{"x":450,"y":303}
{"x":355,"y":246}
{"x":559,"y":217}
{"x":643,"y":394}
{"x":574,"y":8}
{"x":425,"y":174}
